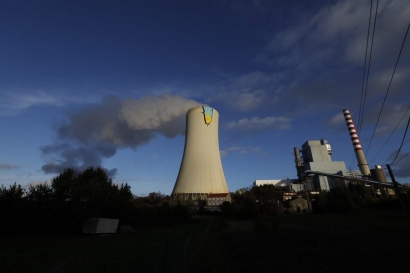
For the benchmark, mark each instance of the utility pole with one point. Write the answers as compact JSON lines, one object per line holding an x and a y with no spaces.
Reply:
{"x":398,"y":193}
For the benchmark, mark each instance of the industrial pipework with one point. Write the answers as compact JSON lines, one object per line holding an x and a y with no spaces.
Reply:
{"x":361,"y":159}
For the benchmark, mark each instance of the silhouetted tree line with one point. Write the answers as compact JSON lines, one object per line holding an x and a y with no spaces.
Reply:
{"x":155,"y":210}
{"x":344,"y":198}
{"x":250,"y":203}
{"x":72,"y":196}
{"x":353,"y":197}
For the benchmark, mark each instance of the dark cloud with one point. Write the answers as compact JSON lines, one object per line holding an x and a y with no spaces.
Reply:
{"x":76,"y":155}
{"x":321,"y":58}
{"x":8,"y":167}
{"x":402,"y":167}
{"x":315,"y":63}
{"x":98,"y":131}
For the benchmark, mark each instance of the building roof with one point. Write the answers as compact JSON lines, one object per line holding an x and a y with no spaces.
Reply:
{"x":276,"y":182}
{"x":287,"y":193}
{"x":218,"y":195}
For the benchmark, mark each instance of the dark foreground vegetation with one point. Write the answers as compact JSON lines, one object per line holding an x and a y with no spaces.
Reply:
{"x":61,"y":206}
{"x":351,"y":229}
{"x":368,"y":240}
{"x":145,"y":250}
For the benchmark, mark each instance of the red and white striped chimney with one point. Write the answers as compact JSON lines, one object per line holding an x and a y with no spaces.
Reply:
{"x":361,"y":159}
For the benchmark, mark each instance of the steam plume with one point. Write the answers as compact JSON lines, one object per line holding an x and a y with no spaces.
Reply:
{"x":97,"y":132}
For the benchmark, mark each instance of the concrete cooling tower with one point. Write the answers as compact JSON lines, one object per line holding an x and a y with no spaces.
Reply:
{"x":201,"y":170}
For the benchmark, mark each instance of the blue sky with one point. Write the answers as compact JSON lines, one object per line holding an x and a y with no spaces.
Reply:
{"x":108,"y":83}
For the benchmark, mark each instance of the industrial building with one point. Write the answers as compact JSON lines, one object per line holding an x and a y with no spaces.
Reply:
{"x":201,"y":171}
{"x":316,"y":156}
{"x":217,"y":199}
{"x":276,"y":182}
{"x":317,"y":171}
{"x":291,"y":184}
{"x":201,"y":175}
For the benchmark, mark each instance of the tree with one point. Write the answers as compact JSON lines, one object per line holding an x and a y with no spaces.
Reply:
{"x":90,"y":185}
{"x":14,"y":192}
{"x":13,"y":208}
{"x":40,"y":193}
{"x":90,"y":193}
{"x":264,"y":193}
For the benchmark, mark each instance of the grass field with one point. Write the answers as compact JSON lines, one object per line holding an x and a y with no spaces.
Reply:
{"x":370,"y":240}
{"x":146,"y":250}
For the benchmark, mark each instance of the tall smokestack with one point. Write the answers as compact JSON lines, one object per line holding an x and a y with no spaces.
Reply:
{"x":361,"y":159}
{"x":298,"y":162}
{"x":201,"y":170}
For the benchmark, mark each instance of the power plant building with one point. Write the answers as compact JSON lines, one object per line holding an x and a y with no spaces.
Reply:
{"x":201,"y":171}
{"x":315,"y":156}
{"x":317,"y":171}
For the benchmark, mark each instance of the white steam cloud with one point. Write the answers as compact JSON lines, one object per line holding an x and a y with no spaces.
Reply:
{"x":96,"y":132}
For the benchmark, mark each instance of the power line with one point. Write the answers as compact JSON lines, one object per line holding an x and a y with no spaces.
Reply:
{"x":368,"y":67}
{"x":365,"y":62}
{"x":403,"y":157}
{"x":364,"y":73}
{"x":390,"y":134}
{"x":395,"y":152}
{"x":388,"y":88}
{"x":401,"y":145}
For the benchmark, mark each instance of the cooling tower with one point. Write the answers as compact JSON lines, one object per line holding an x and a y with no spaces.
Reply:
{"x":201,"y":170}
{"x":361,"y":159}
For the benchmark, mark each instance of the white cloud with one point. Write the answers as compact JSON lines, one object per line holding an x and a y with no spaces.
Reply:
{"x":35,"y":183}
{"x":236,"y":100}
{"x":384,"y":76}
{"x":335,"y":29}
{"x":223,"y":153}
{"x":241,"y":150}
{"x":337,"y":119}
{"x":391,"y":115}
{"x":249,"y":102}
{"x":257,"y":124}
{"x":248,"y":92}
{"x":13,"y":103}
{"x":252,"y":79}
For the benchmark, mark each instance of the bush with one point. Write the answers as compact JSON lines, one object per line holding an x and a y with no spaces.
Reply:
{"x":266,"y":222}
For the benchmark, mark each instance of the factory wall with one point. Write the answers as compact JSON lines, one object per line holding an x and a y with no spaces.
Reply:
{"x":315,"y":151}
{"x":327,"y":167}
